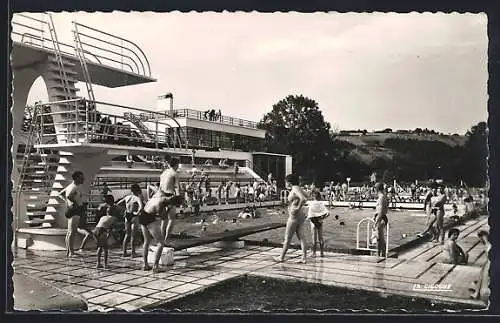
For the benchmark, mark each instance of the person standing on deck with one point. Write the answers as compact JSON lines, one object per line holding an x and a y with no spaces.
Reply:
{"x":381,"y":220}
{"x":431,"y":213}
{"x":296,"y":218}
{"x":169,"y":187}
{"x":438,"y":203}
{"x":75,"y":208}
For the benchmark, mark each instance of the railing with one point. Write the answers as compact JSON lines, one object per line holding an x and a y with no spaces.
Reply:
{"x":109,"y":128}
{"x":369,"y":229}
{"x":202,"y":115}
{"x":98,"y":46}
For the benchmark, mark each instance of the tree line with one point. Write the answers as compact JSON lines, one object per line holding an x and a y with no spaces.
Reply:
{"x":296,"y":126}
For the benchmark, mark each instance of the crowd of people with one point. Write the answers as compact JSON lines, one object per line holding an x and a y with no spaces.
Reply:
{"x":155,"y":217}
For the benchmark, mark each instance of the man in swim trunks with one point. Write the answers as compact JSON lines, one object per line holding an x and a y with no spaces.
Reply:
{"x":381,"y":219}
{"x":438,"y":203}
{"x":169,"y":187}
{"x":151,"y":218}
{"x":75,"y":208}
{"x":133,"y":207}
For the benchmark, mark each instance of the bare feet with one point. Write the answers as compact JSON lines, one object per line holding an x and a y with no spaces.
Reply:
{"x":301,"y":261}
{"x":277,"y":259}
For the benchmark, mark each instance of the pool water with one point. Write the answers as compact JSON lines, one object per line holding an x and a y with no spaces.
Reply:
{"x":339,"y":230}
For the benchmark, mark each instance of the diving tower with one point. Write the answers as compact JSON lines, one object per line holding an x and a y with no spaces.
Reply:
{"x":54,"y":144}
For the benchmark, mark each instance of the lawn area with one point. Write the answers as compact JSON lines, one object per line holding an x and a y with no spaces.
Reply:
{"x":250,"y":293}
{"x":339,"y":234}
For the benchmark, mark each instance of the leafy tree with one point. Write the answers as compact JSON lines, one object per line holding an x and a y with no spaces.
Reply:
{"x":474,"y":161}
{"x":296,"y":126}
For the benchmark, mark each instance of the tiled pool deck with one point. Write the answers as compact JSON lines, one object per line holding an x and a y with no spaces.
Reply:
{"x":125,"y":286}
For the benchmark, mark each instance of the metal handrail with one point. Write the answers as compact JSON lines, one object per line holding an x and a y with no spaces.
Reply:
{"x":139,"y":59}
{"x":42,"y":39}
{"x":110,"y":51}
{"x":114,"y":131}
{"x":199,"y":115}
{"x":122,"y":39}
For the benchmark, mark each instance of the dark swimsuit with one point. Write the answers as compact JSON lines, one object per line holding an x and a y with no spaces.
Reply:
{"x":318,"y":222}
{"x":102,"y":236}
{"x":129,"y":216}
{"x":146,"y":218}
{"x":75,"y":210}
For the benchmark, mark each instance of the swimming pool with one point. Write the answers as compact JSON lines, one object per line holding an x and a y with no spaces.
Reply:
{"x":339,"y":229}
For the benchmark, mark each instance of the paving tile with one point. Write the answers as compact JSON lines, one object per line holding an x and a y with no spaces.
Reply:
{"x":212,"y":262}
{"x":79,"y":288}
{"x":120,"y":269}
{"x":140,"y":291}
{"x":138,"y":281}
{"x":115,"y":287}
{"x":95,"y":283}
{"x":206,"y":282}
{"x":184,"y":288}
{"x":161,"y":284}
{"x":163,"y":295}
{"x":141,"y":302}
{"x":127,"y":307}
{"x":200,"y":273}
{"x":118,"y":278}
{"x":112,"y":299}
{"x":50,"y":267}
{"x":223,"y":276}
{"x":181,"y":278}
{"x":79,"y":271}
{"x":94,"y":293}
{"x":58,"y":277}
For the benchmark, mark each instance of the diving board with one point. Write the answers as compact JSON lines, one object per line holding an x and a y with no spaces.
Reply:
{"x":181,"y":244}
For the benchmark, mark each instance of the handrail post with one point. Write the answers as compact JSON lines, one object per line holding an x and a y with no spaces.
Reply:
{"x":115,"y":130}
{"x":40,"y":113}
{"x":76,"y":121}
{"x":156,"y":134}
{"x":86,"y":121}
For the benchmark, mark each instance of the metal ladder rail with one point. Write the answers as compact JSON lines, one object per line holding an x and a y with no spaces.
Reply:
{"x":81,"y":57}
{"x":34,"y":126}
{"x":138,"y":123}
{"x":57,"y":51}
{"x":62,"y":70}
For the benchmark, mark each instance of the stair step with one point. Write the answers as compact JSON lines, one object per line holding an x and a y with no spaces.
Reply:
{"x":39,"y":221}
{"x":53,"y":59}
{"x":55,"y":77}
{"x":61,"y":86}
{"x":37,"y":197}
{"x":68,"y":71}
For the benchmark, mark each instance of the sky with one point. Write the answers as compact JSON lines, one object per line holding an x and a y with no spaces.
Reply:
{"x":366,"y":71}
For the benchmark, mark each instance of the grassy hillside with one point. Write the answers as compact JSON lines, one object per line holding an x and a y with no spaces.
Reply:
{"x":407,"y":155}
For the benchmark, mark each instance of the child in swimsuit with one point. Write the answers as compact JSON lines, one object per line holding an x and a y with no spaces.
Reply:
{"x":102,"y":230}
{"x":316,"y":214}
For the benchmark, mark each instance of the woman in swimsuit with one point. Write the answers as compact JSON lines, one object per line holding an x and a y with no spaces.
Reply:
{"x":133,"y":207}
{"x":296,"y":218}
